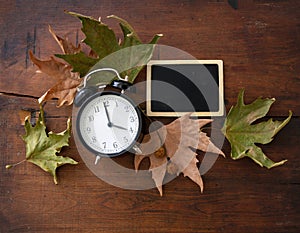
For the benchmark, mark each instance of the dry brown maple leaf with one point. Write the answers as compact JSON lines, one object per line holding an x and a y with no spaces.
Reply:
{"x":66,"y":87}
{"x":23,"y":115}
{"x":66,"y":46}
{"x":177,"y":138}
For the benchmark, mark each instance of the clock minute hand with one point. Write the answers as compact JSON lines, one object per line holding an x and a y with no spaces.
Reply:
{"x":109,"y":124}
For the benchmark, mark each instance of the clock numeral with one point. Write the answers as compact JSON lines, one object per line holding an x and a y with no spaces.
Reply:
{"x":88,"y":129}
{"x":125,"y":139}
{"x":115,"y":145}
{"x":131,"y":130}
{"x":94,"y":139}
{"x":117,"y":105}
{"x":97,"y":109}
{"x":104,"y":144}
{"x":131,"y":118}
{"x":91,"y":118}
{"x":106,"y":103}
{"x":126,"y":108}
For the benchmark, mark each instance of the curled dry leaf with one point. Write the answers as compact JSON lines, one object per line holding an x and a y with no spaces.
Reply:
{"x":66,"y":46}
{"x":178,"y":138}
{"x":24,"y":115}
{"x":67,"y":81}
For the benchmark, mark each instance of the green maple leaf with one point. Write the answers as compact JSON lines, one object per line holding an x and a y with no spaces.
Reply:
{"x":133,"y":55}
{"x":41,"y":148}
{"x":130,"y":37}
{"x":103,"y":41}
{"x":99,"y":36}
{"x":243,"y":135}
{"x":80,"y":62}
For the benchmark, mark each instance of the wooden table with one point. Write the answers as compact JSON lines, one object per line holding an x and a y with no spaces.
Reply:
{"x":260,"y":46}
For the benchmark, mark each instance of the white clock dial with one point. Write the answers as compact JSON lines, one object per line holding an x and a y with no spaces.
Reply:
{"x":108,"y":124}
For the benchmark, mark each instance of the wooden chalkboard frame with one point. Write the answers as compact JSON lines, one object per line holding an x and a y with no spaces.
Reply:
{"x":149,"y":78}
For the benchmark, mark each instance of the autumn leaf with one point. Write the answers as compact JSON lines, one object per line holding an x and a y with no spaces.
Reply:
{"x":158,"y":164}
{"x":41,"y":148}
{"x":103,"y":42}
{"x":243,"y":135}
{"x":80,"y":62}
{"x":66,"y":46}
{"x":67,"y":81}
{"x":133,"y":57}
{"x":129,"y":59}
{"x":23,"y":115}
{"x":101,"y":39}
{"x":179,"y":139}
{"x":130,"y":37}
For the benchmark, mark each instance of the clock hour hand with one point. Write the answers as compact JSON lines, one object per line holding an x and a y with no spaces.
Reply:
{"x":109,"y":124}
{"x":117,"y":126}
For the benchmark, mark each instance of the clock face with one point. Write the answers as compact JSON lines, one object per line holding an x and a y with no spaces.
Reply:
{"x":108,"y":124}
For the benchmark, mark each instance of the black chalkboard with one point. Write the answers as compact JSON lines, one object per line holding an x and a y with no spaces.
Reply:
{"x":185,"y":86}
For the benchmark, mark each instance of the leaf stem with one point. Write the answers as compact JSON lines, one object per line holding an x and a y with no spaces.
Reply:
{"x":9,"y":166}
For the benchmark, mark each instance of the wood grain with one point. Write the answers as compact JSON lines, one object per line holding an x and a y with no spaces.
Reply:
{"x":259,"y":44}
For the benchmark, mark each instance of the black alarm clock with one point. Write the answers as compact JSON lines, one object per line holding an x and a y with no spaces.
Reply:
{"x":108,"y":122}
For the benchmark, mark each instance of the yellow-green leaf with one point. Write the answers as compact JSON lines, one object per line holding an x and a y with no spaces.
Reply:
{"x":41,"y":148}
{"x":243,"y":135}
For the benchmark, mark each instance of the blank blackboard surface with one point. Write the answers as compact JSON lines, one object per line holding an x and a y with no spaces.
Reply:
{"x":180,"y":86}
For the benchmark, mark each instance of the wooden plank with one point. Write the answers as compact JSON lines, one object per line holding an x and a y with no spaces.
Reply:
{"x":260,"y":51}
{"x":239,"y":196}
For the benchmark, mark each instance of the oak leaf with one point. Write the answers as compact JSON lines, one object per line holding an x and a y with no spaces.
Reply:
{"x":180,"y":138}
{"x":42,"y":147}
{"x":67,"y":81}
{"x":243,"y":135}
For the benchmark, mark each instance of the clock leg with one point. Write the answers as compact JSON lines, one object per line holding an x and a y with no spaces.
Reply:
{"x":97,"y":159}
{"x":137,"y":149}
